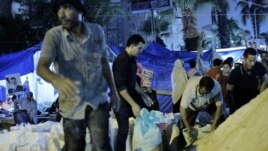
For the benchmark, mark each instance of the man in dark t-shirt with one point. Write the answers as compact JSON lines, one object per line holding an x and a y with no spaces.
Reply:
{"x":132,"y":96}
{"x":246,"y":81}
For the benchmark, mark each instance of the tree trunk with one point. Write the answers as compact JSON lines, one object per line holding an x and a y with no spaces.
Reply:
{"x":190,"y":33}
{"x":224,"y":33}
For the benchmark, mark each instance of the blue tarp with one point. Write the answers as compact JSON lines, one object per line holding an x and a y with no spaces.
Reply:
{"x":154,"y":57}
{"x":161,"y":61}
{"x":2,"y":93}
{"x":21,"y":62}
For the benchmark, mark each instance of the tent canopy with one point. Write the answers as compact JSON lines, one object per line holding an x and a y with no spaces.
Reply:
{"x":154,"y":57}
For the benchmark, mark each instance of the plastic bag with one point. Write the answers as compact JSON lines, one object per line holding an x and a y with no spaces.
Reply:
{"x":147,"y":136}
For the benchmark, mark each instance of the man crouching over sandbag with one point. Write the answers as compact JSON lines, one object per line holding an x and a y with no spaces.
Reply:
{"x":200,"y":94}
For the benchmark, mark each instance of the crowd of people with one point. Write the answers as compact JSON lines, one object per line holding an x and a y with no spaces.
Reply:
{"x":83,"y":75}
{"x":223,"y":89}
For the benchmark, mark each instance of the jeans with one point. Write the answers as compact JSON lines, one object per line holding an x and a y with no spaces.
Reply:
{"x":97,"y":123}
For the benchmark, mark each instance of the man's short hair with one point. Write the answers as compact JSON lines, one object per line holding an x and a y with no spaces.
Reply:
{"x":217,"y":62}
{"x":75,"y":3}
{"x":135,"y":40}
{"x":207,"y":83}
{"x":230,"y":60}
{"x":249,"y":51}
{"x":227,"y":62}
{"x":192,"y":63}
{"x":264,"y":52}
{"x":14,"y":97}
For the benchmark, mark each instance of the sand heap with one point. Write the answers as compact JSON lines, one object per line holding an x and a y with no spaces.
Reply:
{"x":245,"y":130}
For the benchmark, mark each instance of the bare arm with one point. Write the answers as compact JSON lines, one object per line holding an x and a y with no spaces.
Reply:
{"x":263,"y":82}
{"x":218,"y":77}
{"x":186,"y":123}
{"x":185,"y":119}
{"x":216,"y":117}
{"x":65,"y":87}
{"x":230,"y":96}
{"x":147,"y":100}
{"x":109,"y":78}
{"x":107,"y":74}
{"x":44,"y":71}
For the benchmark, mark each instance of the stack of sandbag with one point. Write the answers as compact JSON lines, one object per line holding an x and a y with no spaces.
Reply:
{"x":245,"y":130}
{"x":41,"y":137}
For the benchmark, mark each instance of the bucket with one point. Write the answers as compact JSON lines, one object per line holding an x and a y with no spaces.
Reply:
{"x":21,"y":116}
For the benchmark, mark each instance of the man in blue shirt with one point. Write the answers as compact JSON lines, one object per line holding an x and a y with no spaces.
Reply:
{"x":78,"y":49}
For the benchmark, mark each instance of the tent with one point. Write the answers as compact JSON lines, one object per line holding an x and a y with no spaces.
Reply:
{"x":160,"y":60}
{"x":154,"y":57}
{"x":24,"y":62}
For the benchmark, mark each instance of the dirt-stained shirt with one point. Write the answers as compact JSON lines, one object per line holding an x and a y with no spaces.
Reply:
{"x":81,"y":63}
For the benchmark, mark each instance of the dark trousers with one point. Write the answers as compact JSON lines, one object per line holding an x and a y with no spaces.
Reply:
{"x":97,"y":123}
{"x":122,"y":117}
{"x":176,"y":106}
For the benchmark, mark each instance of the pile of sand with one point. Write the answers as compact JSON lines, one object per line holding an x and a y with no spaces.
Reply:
{"x":245,"y":130}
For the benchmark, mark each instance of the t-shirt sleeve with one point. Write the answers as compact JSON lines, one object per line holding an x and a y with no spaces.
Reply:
{"x":186,"y":97}
{"x":261,"y":69}
{"x":218,"y":98}
{"x":233,"y":76}
{"x":49,"y":46}
{"x":104,"y":50}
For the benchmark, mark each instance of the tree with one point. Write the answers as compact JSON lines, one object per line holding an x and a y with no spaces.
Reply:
{"x":237,"y":35}
{"x":219,"y":9}
{"x":28,"y":28}
{"x":162,"y":25}
{"x":101,"y":11}
{"x":222,"y":7}
{"x":190,"y":33}
{"x":37,"y":16}
{"x":251,"y":9}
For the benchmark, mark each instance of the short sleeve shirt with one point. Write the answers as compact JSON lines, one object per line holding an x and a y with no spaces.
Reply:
{"x":246,"y":86}
{"x":28,"y":105}
{"x":192,"y":97}
{"x":81,"y":63}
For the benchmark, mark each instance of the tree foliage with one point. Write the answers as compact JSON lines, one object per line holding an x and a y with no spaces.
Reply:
{"x":28,"y":28}
{"x":251,"y":9}
{"x":160,"y":25}
{"x":101,"y":11}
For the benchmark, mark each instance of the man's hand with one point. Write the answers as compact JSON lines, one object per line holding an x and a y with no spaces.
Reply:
{"x":66,"y":88}
{"x":190,"y":134}
{"x":213,"y":127}
{"x":147,"y":100}
{"x":115,"y":101}
{"x":136,"y":110}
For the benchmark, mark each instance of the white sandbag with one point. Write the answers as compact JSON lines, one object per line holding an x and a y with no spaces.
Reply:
{"x":40,"y":137}
{"x":198,"y":132}
{"x":129,"y":146}
{"x":113,"y":129}
{"x":147,"y":136}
